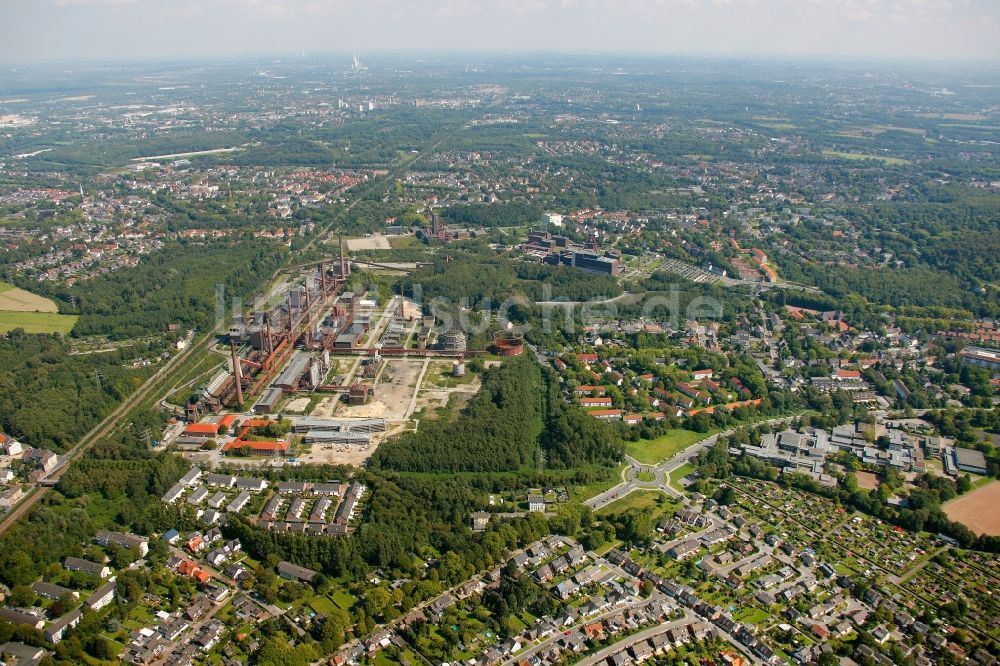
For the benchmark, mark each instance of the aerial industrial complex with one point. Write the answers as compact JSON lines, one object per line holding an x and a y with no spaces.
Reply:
{"x":333,"y":368}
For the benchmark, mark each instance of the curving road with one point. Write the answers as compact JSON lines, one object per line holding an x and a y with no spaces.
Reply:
{"x":662,"y":470}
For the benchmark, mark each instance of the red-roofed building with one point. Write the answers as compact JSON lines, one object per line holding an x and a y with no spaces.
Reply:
{"x":205,"y":430}
{"x":587,"y":358}
{"x":692,"y":392}
{"x":610,"y":414}
{"x":227,"y":422}
{"x":847,"y":374}
{"x":595,"y":402}
{"x":261,"y":448}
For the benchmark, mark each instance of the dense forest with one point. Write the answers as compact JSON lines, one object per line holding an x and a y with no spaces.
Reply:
{"x":493,"y":215}
{"x":476,"y":279}
{"x":571,"y":438}
{"x":944,"y":236}
{"x":518,"y":415}
{"x":49,"y":399}
{"x":497,"y":431}
{"x":919,"y":286}
{"x":173,"y":286}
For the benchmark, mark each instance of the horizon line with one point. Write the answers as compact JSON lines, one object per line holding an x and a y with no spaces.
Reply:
{"x":496,"y":54}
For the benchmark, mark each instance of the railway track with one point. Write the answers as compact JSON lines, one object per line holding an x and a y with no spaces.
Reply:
{"x":100,"y":431}
{"x":112,"y":420}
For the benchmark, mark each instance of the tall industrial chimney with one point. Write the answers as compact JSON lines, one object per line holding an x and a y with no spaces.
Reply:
{"x":343,"y":261}
{"x":267,"y":334}
{"x":237,"y":375}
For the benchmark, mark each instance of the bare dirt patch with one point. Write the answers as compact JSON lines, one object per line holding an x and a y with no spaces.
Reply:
{"x":373,"y":242}
{"x":977,"y":509}
{"x":339,"y":454}
{"x":866,"y":480}
{"x":393,"y":393}
{"x":298,"y":405}
{"x":438,"y":388}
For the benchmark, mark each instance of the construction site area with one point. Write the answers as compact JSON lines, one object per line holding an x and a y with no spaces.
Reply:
{"x":319,"y":373}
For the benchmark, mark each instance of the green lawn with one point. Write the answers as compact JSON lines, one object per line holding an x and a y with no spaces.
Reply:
{"x":404,"y":242}
{"x":645,"y":476}
{"x":678,"y":474}
{"x":892,"y":161}
{"x":652,"y":501}
{"x":343,"y":599}
{"x":659,"y":449}
{"x":322,"y":605}
{"x":582,"y":492}
{"x":752,"y":615}
{"x":980,"y":481}
{"x":515,"y":624}
{"x":37,"y":322}
{"x":606,"y":546}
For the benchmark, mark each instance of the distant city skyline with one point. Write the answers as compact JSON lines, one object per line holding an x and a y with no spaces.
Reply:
{"x":78,"y":30}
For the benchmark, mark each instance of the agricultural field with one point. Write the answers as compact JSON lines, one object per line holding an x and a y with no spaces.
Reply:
{"x":891,"y":161}
{"x":13,"y":299}
{"x":33,"y":313}
{"x":37,"y":322}
{"x":977,"y":509}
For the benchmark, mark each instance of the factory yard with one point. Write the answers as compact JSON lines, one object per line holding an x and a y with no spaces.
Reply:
{"x":404,"y":387}
{"x":297,"y":406}
{"x":339,"y":454}
{"x":439,"y":387}
{"x":977,"y":509}
{"x":374,"y":242}
{"x":393,"y":393}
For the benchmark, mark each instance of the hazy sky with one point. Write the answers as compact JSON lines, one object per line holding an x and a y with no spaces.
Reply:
{"x":46,"y":30}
